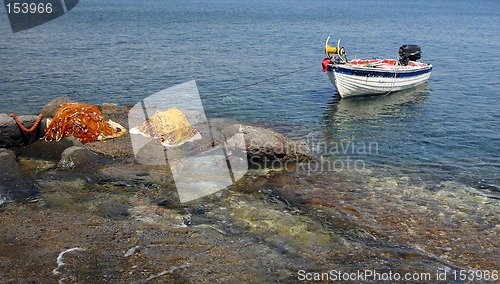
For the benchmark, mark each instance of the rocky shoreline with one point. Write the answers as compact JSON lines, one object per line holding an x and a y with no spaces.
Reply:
{"x":96,"y":196}
{"x":262,"y":145}
{"x":78,"y":213}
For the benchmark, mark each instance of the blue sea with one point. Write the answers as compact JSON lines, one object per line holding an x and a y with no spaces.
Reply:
{"x":261,"y":60}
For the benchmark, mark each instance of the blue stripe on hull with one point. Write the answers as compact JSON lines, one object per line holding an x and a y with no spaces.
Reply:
{"x":383,"y":74}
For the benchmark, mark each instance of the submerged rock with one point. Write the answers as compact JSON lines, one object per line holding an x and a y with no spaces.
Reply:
{"x":35,"y":166}
{"x":158,"y":216}
{"x":14,"y":183}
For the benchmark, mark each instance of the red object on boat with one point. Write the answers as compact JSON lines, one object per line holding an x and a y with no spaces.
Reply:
{"x":325,"y":63}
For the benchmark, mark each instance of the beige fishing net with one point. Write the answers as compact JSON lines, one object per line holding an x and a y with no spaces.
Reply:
{"x":170,"y":126}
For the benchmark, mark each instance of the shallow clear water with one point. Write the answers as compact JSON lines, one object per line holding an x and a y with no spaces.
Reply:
{"x":260,"y":60}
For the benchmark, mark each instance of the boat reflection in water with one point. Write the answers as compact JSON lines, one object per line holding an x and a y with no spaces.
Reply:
{"x":344,"y":111}
{"x":354,"y":124}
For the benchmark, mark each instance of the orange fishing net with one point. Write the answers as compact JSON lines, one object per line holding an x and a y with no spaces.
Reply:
{"x":84,"y":122}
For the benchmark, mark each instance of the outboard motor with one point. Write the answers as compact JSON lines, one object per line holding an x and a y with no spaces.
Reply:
{"x":409,"y":52}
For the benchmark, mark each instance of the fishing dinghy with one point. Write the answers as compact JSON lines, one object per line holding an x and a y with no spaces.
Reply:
{"x":375,"y":76}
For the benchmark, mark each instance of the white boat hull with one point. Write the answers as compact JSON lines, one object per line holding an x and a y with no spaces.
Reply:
{"x":356,"y":81}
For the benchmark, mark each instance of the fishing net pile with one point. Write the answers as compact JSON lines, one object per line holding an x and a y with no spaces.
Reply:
{"x":171,"y":127}
{"x":84,"y":122}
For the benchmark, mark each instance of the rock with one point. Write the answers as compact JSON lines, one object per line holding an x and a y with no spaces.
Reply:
{"x":11,"y":135}
{"x":116,"y":113}
{"x":48,"y":150}
{"x":14,"y":183}
{"x":266,"y":145}
{"x":33,"y":166}
{"x":116,"y":148}
{"x":261,"y":144}
{"x":75,"y":156}
{"x":158,"y":216}
{"x":119,"y":147}
{"x":50,"y":109}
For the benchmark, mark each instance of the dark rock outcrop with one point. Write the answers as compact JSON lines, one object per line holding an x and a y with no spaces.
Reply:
{"x":260,"y":144}
{"x":48,"y":150}
{"x":50,"y":109}
{"x":266,"y":145}
{"x":76,"y":156}
{"x":11,"y":135}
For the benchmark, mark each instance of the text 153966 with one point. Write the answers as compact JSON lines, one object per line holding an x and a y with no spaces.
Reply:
{"x":28,"y":8}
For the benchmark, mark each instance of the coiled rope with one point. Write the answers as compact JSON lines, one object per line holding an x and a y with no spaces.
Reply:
{"x":20,"y":124}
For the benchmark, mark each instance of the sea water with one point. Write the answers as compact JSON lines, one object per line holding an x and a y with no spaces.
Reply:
{"x":261,"y":60}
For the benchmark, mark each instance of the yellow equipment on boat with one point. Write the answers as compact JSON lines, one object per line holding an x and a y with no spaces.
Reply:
{"x":331,"y":51}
